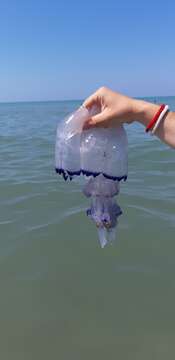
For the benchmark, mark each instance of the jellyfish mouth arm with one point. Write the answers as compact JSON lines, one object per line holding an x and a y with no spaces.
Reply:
{"x":104,"y":212}
{"x":102,"y":235}
{"x":104,"y":209}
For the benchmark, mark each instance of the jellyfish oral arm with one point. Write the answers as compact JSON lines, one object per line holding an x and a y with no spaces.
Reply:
{"x":104,"y":210}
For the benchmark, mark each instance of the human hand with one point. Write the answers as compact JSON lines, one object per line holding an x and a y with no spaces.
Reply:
{"x":114,"y":108}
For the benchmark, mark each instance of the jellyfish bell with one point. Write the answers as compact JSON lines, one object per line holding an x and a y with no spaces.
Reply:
{"x":99,"y":154}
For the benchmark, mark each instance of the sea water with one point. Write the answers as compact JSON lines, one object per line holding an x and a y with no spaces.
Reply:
{"x":62,"y":297}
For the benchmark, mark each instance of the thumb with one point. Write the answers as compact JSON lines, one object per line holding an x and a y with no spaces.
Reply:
{"x":99,"y":120}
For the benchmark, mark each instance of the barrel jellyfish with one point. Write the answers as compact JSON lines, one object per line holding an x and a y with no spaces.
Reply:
{"x":100,"y":155}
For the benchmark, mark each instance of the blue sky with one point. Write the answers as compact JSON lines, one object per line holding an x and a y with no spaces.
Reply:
{"x":51,"y":50}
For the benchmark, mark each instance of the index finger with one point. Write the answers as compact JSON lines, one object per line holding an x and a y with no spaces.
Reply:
{"x":90,"y":101}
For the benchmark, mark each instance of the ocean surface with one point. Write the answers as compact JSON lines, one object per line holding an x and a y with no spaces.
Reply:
{"x":62,"y":296}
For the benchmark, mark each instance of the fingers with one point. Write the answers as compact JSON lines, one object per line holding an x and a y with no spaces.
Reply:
{"x":95,"y":97}
{"x":99,"y":120}
{"x":90,"y":101}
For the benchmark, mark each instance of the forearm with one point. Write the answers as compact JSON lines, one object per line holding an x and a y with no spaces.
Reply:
{"x":144,"y":112}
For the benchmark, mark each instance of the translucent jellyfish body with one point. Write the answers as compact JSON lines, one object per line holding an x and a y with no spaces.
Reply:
{"x":101,"y":156}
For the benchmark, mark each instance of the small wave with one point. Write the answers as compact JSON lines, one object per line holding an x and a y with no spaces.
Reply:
{"x":134,"y":269}
{"x":156,"y":213}
{"x":72,"y":211}
{"x":7,"y":222}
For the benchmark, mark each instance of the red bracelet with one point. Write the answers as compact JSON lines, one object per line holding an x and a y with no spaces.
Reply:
{"x":155,"y":118}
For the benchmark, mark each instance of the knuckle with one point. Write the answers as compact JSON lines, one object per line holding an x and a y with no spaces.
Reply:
{"x":103,"y":89}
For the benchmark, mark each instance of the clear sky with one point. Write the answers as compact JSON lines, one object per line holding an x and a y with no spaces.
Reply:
{"x":51,"y":50}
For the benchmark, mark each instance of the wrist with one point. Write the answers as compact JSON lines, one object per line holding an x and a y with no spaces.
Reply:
{"x":144,"y":111}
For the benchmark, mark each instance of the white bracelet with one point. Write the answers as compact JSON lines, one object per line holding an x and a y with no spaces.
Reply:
{"x":163,"y":113}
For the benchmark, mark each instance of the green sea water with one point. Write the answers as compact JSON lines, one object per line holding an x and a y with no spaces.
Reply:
{"x":62,"y":296}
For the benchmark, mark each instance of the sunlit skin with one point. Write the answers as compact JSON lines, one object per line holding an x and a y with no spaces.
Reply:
{"x":117,"y":108}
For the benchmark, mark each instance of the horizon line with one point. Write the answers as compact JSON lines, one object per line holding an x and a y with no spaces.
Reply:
{"x":80,"y":100}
